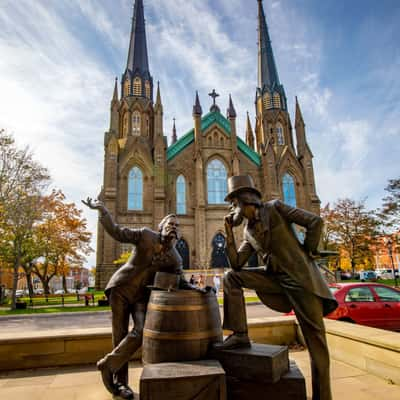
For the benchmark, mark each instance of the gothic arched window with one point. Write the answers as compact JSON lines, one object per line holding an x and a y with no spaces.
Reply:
{"x":289,"y":190}
{"x":147,"y":89}
{"x":135,"y":189}
{"x":137,"y":87}
{"x":279,"y":135}
{"x":136,"y":123}
{"x":127,"y":87}
{"x":181,"y":195}
{"x":277,"y":100}
{"x":216,"y":182}
{"x":218,"y":255}
{"x":183,"y":250}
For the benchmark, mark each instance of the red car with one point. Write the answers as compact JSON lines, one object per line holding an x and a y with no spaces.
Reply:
{"x":370,"y":304}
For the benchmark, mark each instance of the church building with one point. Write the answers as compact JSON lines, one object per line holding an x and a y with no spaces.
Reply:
{"x":146,"y":179}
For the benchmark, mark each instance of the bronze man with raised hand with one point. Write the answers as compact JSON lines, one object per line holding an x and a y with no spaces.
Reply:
{"x":128,"y":293}
{"x":290,"y":279}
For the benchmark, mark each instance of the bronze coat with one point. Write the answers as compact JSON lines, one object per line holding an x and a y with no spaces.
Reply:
{"x":279,"y":246}
{"x":139,"y":270}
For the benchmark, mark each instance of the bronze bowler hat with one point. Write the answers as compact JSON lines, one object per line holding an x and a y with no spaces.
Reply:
{"x":165,"y":281}
{"x":240,"y":183}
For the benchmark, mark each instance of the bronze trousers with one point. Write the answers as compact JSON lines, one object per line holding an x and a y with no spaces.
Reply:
{"x":125,"y":342}
{"x":307,"y":307}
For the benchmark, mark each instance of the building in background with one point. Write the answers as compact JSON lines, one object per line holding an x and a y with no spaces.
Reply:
{"x":145,"y":179}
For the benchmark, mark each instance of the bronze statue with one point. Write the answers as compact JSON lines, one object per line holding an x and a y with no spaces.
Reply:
{"x":290,"y":279}
{"x":128,"y":293}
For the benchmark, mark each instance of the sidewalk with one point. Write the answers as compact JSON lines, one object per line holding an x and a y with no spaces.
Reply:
{"x":84,"y":383}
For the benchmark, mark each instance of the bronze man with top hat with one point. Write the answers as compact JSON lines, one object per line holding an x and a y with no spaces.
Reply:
{"x":290,"y":280}
{"x":128,"y":291}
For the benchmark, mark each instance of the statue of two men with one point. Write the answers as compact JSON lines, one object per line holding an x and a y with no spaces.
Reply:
{"x":290,"y":280}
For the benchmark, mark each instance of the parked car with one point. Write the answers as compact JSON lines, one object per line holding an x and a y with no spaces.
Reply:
{"x":59,"y":291}
{"x":386,"y":273}
{"x":38,"y":291}
{"x":370,"y":304}
{"x":19,"y":293}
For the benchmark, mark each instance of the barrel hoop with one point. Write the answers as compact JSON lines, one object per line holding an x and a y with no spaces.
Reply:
{"x":162,"y":307}
{"x":181,"y":335}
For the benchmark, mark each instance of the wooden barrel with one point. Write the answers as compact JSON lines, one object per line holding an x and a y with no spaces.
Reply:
{"x":180,"y":326}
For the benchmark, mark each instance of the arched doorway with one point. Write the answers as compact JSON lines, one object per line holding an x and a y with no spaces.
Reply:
{"x":218,"y":255}
{"x":183,"y":250}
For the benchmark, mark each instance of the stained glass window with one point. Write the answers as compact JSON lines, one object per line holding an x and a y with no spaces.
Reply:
{"x":180,"y":195}
{"x":135,"y":189}
{"x":216,"y":182}
{"x":289,"y":190}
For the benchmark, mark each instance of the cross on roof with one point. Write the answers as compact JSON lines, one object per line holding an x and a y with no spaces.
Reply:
{"x":214,"y":95}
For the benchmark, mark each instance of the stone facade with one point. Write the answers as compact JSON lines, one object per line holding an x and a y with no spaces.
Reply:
{"x":136,"y":139}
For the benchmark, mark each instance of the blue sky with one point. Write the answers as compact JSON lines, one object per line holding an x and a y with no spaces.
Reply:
{"x":58,"y":60}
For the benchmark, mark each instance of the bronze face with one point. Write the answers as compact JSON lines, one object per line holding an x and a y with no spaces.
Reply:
{"x":170,"y":228}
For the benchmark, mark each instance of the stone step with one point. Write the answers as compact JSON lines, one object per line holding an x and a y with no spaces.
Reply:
{"x":291,"y":386}
{"x":260,"y":362}
{"x":189,"y":380}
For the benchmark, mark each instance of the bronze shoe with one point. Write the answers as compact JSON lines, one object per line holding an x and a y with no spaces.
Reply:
{"x":107,"y":376}
{"x":124,"y":392}
{"x":234,"y":341}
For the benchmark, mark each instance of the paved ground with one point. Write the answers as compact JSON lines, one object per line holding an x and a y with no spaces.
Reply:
{"x":99,"y":319}
{"x":84,"y":383}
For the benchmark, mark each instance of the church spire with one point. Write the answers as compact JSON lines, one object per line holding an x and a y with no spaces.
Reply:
{"x":115,"y":94}
{"x":137,"y":55}
{"x":267,"y":71}
{"x":174,"y":136}
{"x":249,"y":133}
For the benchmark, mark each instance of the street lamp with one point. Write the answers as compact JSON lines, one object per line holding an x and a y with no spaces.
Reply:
{"x":389,"y":244}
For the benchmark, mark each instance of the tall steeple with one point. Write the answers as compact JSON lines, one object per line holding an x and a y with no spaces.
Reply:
{"x":267,"y":72}
{"x":137,"y":55}
{"x":137,"y":80}
{"x":268,"y":79}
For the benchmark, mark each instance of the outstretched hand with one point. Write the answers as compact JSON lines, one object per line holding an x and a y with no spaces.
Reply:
{"x":94,"y":204}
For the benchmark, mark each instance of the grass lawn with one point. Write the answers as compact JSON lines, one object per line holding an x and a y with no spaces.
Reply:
{"x":59,"y":309}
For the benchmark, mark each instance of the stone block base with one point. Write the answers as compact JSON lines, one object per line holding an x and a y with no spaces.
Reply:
{"x":260,"y":362}
{"x":291,"y":386}
{"x":200,"y":380}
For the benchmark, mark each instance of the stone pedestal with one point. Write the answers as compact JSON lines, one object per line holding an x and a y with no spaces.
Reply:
{"x":260,"y":362}
{"x":291,"y":386}
{"x":199,"y":380}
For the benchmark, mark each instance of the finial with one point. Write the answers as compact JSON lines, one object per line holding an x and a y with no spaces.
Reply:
{"x":197,"y":110}
{"x":231,"y":112}
{"x":214,"y":107}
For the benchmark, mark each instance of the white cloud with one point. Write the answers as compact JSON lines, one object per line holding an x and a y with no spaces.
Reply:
{"x":56,"y":80}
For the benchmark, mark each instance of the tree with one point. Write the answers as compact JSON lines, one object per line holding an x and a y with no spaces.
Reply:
{"x":62,"y":237}
{"x":22,"y":181}
{"x":390,"y":212}
{"x":354,"y":229}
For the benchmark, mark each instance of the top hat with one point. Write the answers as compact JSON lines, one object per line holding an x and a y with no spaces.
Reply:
{"x":240,"y":183}
{"x":165,"y":281}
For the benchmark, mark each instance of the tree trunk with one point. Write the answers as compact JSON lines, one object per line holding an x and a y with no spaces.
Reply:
{"x":353,"y":267}
{"x":29,"y":283}
{"x":15,"y":285}
{"x":64,"y":283}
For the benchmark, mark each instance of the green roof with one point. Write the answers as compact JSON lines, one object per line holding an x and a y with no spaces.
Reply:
{"x":206,"y":122}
